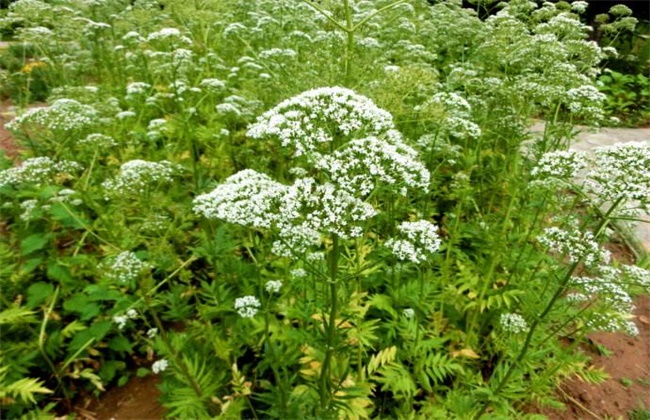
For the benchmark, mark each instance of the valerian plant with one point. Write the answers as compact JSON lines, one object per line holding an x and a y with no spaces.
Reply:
{"x":293,"y":209}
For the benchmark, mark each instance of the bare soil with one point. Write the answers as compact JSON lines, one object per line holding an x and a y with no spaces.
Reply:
{"x":137,"y":400}
{"x":628,"y":365}
{"x":6,"y":141}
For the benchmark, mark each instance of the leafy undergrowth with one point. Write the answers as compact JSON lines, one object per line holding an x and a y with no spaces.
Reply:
{"x":291,"y":209}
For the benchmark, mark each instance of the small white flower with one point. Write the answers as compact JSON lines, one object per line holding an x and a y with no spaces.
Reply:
{"x":273,"y":286}
{"x":132,"y":313}
{"x":124,"y":268}
{"x":120,"y":320}
{"x":159,"y":366}
{"x":152,"y":332}
{"x":513,"y":323}
{"x":408,"y":313}
{"x":298,"y":273}
{"x":247,"y":306}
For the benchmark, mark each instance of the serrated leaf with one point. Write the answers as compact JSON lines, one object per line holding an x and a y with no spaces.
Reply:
{"x":38,"y":293}
{"x":33,"y":243}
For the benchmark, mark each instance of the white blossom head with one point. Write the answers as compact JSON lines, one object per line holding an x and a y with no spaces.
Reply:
{"x":577,"y":246}
{"x":140,"y":176}
{"x":314,"y":120}
{"x":247,"y":306}
{"x":63,"y":115}
{"x":416,"y":242}
{"x":621,"y":171}
{"x":247,"y":198}
{"x":562,"y":164}
{"x":273,"y":286}
{"x":513,"y":323}
{"x":159,"y":366}
{"x":38,"y":170}
{"x":124,"y":267}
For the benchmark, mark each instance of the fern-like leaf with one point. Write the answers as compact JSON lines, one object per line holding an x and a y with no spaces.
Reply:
{"x":24,"y":390}
{"x":16,"y":315}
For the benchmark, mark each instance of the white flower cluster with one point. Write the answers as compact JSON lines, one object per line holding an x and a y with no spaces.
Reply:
{"x":457,"y":118}
{"x":62,"y":115}
{"x":357,"y":171}
{"x":562,"y":164}
{"x":607,"y":288}
{"x":247,"y":306}
{"x":124,"y":267}
{"x":121,"y":320}
{"x":159,"y":366}
{"x":637,"y":275}
{"x":304,"y":211}
{"x":301,"y":212}
{"x":621,"y":171}
{"x":38,"y":170}
{"x":585,"y":99}
{"x":417,"y":241}
{"x":213,"y":85}
{"x":611,"y":322}
{"x":576,"y":245}
{"x":169,"y":34}
{"x":273,"y":286}
{"x":246,"y":198}
{"x":29,"y":208}
{"x":137,"y":88}
{"x":579,"y":6}
{"x":66,"y":195}
{"x":137,"y":176}
{"x":318,"y":117}
{"x":98,"y":141}
{"x":513,"y":323}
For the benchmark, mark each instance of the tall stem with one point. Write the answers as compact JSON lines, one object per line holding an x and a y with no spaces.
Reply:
{"x":325,"y":377}
{"x":349,"y":48}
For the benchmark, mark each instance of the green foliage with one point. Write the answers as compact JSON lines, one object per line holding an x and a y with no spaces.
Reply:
{"x":110,"y":269}
{"x":628,"y":96}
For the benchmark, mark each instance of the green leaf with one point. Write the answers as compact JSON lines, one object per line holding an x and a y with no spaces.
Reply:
{"x":33,"y":243}
{"x":120,"y":344}
{"x":24,"y":389}
{"x":73,"y":328}
{"x":109,"y":369}
{"x":142,"y":372}
{"x":16,"y":315}
{"x":60,"y":214}
{"x":57,"y":271}
{"x":38,"y":293}
{"x":76,"y":303}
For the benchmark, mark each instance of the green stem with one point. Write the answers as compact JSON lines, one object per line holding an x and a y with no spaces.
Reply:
{"x":325,"y":377}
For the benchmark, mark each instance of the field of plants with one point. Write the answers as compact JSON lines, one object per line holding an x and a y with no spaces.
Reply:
{"x":310,"y":209}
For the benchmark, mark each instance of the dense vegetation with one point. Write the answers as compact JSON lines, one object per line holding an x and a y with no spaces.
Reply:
{"x":291,"y":209}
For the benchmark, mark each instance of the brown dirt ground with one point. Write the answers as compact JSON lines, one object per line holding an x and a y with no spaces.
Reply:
{"x":628,"y":365}
{"x":137,"y":400}
{"x":6,"y":142}
{"x":628,"y":387}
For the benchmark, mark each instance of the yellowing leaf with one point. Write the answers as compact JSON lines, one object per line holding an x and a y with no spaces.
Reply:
{"x":469,"y":353}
